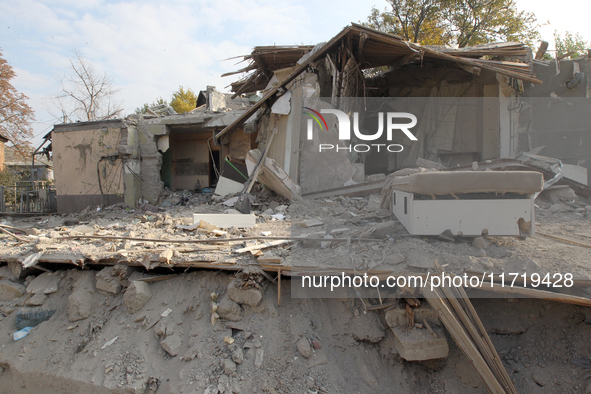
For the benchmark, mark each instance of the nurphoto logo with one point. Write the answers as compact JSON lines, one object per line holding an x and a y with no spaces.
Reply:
{"x":392,"y":121}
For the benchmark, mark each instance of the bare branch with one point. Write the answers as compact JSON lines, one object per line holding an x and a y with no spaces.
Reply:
{"x":86,"y":94}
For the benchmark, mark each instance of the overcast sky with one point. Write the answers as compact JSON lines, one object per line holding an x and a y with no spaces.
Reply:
{"x":151,"y":48}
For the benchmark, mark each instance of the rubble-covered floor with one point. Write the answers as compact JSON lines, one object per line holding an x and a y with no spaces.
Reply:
{"x":386,"y":247}
{"x":185,"y":333}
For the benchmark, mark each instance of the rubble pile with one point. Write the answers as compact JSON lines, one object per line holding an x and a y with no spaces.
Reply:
{"x":131,"y":318}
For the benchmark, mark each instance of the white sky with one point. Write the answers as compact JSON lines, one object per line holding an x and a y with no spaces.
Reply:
{"x":151,"y":48}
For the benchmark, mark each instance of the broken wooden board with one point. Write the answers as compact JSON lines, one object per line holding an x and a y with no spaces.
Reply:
{"x":273,"y":176}
{"x":360,"y":189}
{"x":223,"y":220}
{"x":262,"y":246}
{"x":269,"y":260}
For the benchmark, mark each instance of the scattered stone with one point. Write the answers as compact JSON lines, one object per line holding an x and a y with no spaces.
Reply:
{"x":376,"y":177}
{"x":318,"y":359}
{"x":384,"y":230}
{"x":71,"y":221}
{"x":419,"y":344}
{"x":558,"y":193}
{"x":189,"y":355}
{"x":316,"y":344}
{"x":136,"y":296}
{"x":32,"y":231}
{"x":83,"y":229}
{"x":304,"y":347}
{"x":258,"y":358}
{"x":211,"y":389}
{"x":228,"y":366}
{"x":54,"y":235}
{"x":366,"y":328}
{"x":122,"y":271}
{"x":229,"y":310}
{"x":375,"y":200}
{"x":540,"y":377}
{"x":481,"y":243}
{"x":79,"y":304}
{"x":252,"y":297}
{"x":10,"y":290}
{"x":397,"y":316}
{"x":164,"y":327}
{"x":280,"y":208}
{"x":38,"y":299}
{"x":238,"y":355}
{"x":45,"y":283}
{"x":5,"y":273}
{"x":106,"y":281}
{"x":172,"y":344}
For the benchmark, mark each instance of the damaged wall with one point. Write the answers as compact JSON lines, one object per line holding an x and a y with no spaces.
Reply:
{"x":557,"y":116}
{"x":85,"y":159}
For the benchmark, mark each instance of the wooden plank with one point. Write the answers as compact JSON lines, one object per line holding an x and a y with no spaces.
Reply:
{"x":262,"y":246}
{"x":157,"y":278}
{"x":353,"y":190}
{"x":462,"y":339}
{"x":534,"y":293}
{"x":269,"y":260}
{"x":273,"y":175}
{"x":223,"y":220}
{"x":565,"y":240}
{"x":260,"y":162}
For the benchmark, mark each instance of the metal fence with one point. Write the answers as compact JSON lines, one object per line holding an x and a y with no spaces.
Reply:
{"x":28,"y":197}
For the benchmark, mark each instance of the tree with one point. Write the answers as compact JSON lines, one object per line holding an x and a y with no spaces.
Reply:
{"x":144,"y":108}
{"x":570,"y":42}
{"x":15,"y":113}
{"x":456,"y":22}
{"x":183,"y":100}
{"x":86,"y":94}
{"x":417,"y":21}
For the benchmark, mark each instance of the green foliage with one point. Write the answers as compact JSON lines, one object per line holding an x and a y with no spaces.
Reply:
{"x":183,"y":100}
{"x":417,"y":21}
{"x":570,"y":42}
{"x":8,"y":177}
{"x":144,"y":108}
{"x":456,"y":22}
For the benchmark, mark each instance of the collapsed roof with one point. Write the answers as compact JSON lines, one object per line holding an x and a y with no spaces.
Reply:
{"x":372,"y":48}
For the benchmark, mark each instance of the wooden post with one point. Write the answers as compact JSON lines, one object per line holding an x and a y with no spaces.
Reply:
{"x":260,"y":164}
{"x":541,"y":50}
{"x":279,"y":287}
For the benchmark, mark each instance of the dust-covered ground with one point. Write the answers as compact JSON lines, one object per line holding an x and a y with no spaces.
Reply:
{"x":117,"y":329}
{"x":350,"y":352}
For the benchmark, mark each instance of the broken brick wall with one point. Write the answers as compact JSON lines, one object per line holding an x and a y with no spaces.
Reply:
{"x":557,"y":116}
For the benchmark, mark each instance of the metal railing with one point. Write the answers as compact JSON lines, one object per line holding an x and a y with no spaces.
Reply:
{"x":27,"y":197}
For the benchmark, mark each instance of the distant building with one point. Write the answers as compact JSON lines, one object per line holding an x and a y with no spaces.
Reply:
{"x":12,"y":158}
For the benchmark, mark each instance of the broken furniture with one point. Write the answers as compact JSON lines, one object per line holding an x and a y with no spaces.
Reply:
{"x":466,"y":203}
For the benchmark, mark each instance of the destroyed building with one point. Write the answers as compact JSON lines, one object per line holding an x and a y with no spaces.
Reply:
{"x":482,"y":92}
{"x":186,"y":294}
{"x":133,"y":159}
{"x":352,"y":65}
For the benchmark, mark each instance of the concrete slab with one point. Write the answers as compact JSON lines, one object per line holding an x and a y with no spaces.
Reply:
{"x":415,"y":344}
